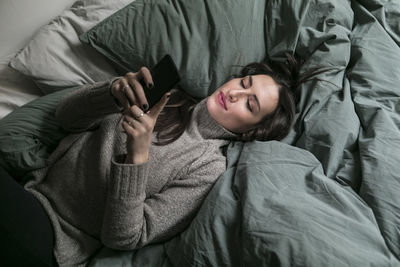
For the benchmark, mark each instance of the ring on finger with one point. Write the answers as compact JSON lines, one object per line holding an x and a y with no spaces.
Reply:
{"x":124,"y":88}
{"x":140,"y":115}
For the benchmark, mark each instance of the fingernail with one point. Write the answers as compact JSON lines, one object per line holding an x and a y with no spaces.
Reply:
{"x":145,"y":107}
{"x":150,"y":86}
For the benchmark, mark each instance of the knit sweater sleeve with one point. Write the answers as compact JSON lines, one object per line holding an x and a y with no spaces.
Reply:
{"x":133,"y":219}
{"x":84,"y":107}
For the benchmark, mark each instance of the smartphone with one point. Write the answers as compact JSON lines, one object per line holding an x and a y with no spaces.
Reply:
{"x":165,"y":76}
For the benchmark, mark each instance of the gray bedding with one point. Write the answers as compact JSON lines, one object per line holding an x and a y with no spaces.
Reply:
{"x":329,"y":194}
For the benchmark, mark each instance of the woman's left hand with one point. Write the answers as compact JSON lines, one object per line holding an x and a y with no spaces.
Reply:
{"x":139,"y":127}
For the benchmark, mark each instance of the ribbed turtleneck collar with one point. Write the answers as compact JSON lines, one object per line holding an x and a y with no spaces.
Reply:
{"x":206,"y":126}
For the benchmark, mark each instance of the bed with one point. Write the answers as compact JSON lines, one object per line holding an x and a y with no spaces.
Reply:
{"x":327,"y":195}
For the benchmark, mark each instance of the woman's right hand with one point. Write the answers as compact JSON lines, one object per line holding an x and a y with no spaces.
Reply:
{"x":128,"y":90}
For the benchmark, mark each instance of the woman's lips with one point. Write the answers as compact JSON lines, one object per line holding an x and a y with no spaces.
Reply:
{"x":221,"y":100}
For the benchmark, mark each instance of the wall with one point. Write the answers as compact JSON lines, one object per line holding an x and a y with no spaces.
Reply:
{"x":21,"y":19}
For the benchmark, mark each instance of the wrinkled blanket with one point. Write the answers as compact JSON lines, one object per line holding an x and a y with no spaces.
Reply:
{"x":328,"y":195}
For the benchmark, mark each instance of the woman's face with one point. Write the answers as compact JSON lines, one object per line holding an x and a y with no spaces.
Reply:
{"x":242,"y":103}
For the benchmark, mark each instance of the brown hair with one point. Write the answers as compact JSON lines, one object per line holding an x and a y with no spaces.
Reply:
{"x":173,"y":120}
{"x":174,"y":117}
{"x":287,"y":75}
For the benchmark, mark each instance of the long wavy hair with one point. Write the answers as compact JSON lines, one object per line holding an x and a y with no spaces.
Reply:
{"x":274,"y":126}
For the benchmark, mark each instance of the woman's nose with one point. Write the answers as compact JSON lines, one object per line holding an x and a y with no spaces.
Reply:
{"x":235,"y":94}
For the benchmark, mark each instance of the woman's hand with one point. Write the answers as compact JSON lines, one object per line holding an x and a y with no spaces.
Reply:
{"x":139,"y":127}
{"x":129,"y":91}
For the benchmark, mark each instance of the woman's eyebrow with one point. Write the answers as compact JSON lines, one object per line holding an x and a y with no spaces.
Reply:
{"x":251,"y":80}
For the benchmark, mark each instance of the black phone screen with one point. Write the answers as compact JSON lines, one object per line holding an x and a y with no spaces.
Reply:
{"x":165,"y":76}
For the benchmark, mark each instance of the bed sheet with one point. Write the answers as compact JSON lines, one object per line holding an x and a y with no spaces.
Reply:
{"x":329,"y":196}
{"x":15,"y":90}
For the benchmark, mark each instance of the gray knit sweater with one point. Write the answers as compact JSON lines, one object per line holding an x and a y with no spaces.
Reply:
{"x":93,"y":199}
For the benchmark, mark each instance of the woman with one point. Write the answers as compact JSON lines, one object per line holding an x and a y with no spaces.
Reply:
{"x":127,"y":181}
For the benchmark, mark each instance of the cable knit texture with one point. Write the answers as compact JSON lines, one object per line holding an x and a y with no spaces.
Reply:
{"x":93,"y":199}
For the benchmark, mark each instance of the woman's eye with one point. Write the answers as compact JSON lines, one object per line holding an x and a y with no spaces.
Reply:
{"x":248,"y":105}
{"x":242,"y":83}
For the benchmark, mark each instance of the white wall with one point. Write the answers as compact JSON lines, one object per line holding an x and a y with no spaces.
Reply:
{"x":20,"y":20}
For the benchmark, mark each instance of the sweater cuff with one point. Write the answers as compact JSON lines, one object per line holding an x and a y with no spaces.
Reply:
{"x":128,"y":180}
{"x":101,"y":98}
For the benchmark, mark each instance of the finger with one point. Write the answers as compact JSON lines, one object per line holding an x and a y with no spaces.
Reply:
{"x":115,"y":87}
{"x":123,"y":101}
{"x":128,"y":129}
{"x":120,"y":96}
{"x":133,"y":128}
{"x":127,"y":91}
{"x":158,"y":107}
{"x":136,"y":113}
{"x":145,"y":74}
{"x":131,"y":122}
{"x":139,"y":94}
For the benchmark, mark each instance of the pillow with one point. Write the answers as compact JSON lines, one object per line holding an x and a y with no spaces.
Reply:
{"x":55,"y":58}
{"x":206,"y":39}
{"x":29,"y":134}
